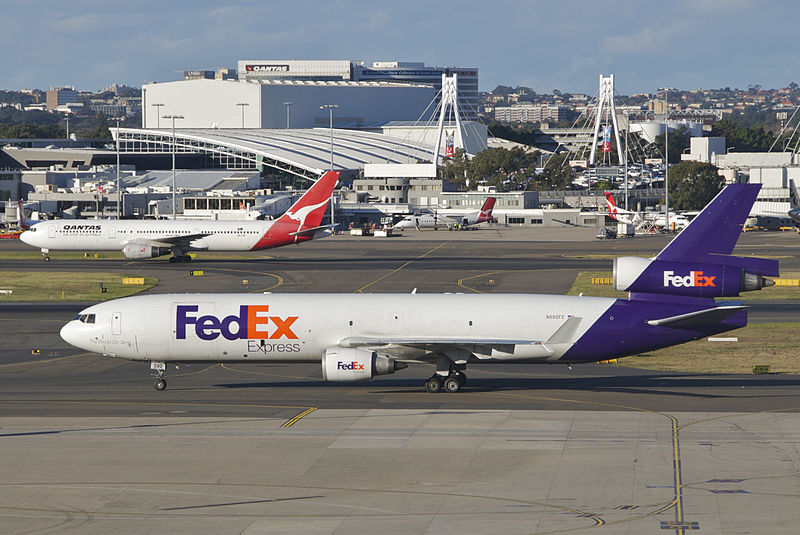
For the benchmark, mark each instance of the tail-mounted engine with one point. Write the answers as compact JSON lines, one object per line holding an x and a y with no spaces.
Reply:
{"x":693,"y":279}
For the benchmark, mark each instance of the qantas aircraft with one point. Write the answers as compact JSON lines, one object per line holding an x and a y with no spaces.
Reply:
{"x":149,"y":239}
{"x":447,"y":218}
{"x":642,"y":220}
{"x":359,"y":336}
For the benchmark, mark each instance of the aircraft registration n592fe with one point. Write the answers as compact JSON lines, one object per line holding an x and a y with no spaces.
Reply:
{"x":149,"y":239}
{"x":358,"y":336}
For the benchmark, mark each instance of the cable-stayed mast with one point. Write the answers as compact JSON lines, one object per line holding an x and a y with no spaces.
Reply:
{"x":605,"y":106}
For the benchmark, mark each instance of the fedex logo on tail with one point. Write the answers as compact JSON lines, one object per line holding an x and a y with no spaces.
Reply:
{"x":252,"y":323}
{"x":695,"y":279}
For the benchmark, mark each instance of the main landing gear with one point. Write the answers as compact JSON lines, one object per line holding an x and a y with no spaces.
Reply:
{"x":180,"y":258}
{"x":160,"y":369}
{"x":450,"y":383}
{"x":449,"y":376}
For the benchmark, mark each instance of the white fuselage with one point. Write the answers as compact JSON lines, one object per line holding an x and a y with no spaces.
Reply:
{"x":439,"y":219}
{"x":113,"y":235}
{"x":300,"y":327}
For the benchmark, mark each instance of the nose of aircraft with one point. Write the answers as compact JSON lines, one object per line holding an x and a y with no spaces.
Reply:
{"x":70,"y":333}
{"x":26,"y":236}
{"x":795,"y":214}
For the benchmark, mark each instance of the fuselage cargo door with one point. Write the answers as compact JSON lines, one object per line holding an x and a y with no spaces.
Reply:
{"x":116,"y":323}
{"x":396,"y":324}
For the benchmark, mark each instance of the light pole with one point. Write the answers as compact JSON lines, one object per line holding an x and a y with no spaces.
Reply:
{"x":242,"y":105}
{"x":158,"y":114}
{"x":119,"y":191}
{"x":666,"y":155}
{"x":173,"y":117}
{"x":330,"y":108}
{"x":287,"y":104}
{"x":67,"y":119}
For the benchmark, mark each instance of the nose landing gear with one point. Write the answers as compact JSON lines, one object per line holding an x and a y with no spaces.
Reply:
{"x":160,"y":369}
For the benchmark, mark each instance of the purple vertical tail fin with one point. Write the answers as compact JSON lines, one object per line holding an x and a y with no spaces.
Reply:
{"x":697,"y":263}
{"x":717,"y":228}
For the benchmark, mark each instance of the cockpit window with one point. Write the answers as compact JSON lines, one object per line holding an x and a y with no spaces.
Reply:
{"x":85,"y":318}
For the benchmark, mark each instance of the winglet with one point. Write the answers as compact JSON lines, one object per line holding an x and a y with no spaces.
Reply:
{"x":23,"y":222}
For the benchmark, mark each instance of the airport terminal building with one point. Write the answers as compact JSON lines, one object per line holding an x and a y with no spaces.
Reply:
{"x":277,"y":103}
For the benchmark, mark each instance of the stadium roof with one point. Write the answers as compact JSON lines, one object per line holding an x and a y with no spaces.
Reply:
{"x":303,"y":152}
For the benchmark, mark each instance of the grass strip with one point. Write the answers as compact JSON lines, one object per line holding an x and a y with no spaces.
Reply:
{"x":67,"y":286}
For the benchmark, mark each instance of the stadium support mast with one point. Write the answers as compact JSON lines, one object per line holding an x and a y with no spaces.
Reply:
{"x":605,"y":105}
{"x":448,"y":103}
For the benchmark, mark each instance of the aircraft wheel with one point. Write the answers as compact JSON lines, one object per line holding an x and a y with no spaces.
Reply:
{"x":452,"y":384}
{"x":433,"y":385}
{"x":186,"y":258}
{"x":173,"y":259}
{"x":462,"y":378}
{"x":160,"y":384}
{"x":46,"y":258}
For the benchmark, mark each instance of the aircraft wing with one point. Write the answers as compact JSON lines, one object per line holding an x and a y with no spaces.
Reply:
{"x":432,"y":343}
{"x":184,"y":241}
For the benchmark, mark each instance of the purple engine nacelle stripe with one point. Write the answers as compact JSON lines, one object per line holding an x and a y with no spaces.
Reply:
{"x":623,"y":330}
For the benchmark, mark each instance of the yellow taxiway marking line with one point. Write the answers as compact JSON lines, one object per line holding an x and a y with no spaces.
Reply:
{"x":290,"y":423}
{"x":259,"y":273}
{"x":225,"y":366}
{"x":401,"y":267}
{"x":461,"y":281}
{"x":48,"y":361}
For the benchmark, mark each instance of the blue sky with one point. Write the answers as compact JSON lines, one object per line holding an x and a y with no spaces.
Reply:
{"x":541,"y":44}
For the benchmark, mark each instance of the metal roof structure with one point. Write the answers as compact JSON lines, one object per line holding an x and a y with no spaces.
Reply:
{"x":303,"y":152}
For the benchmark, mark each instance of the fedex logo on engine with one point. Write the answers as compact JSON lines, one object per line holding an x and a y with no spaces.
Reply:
{"x":694,"y":279}
{"x":350,"y":366}
{"x":252,"y":323}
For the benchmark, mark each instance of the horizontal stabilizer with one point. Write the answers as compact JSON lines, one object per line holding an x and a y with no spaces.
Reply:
{"x":701,"y":317}
{"x":307,"y":231}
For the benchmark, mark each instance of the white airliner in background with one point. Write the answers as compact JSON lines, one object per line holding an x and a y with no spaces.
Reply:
{"x":359,"y":336}
{"x":644,"y":220}
{"x":449,"y":217}
{"x":150,"y":238}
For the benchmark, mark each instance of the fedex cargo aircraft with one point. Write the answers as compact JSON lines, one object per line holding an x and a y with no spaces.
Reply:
{"x":359,"y":336}
{"x":447,"y":218}
{"x":150,"y":239}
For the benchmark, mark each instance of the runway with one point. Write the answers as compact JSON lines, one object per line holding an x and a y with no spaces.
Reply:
{"x":89,"y":445}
